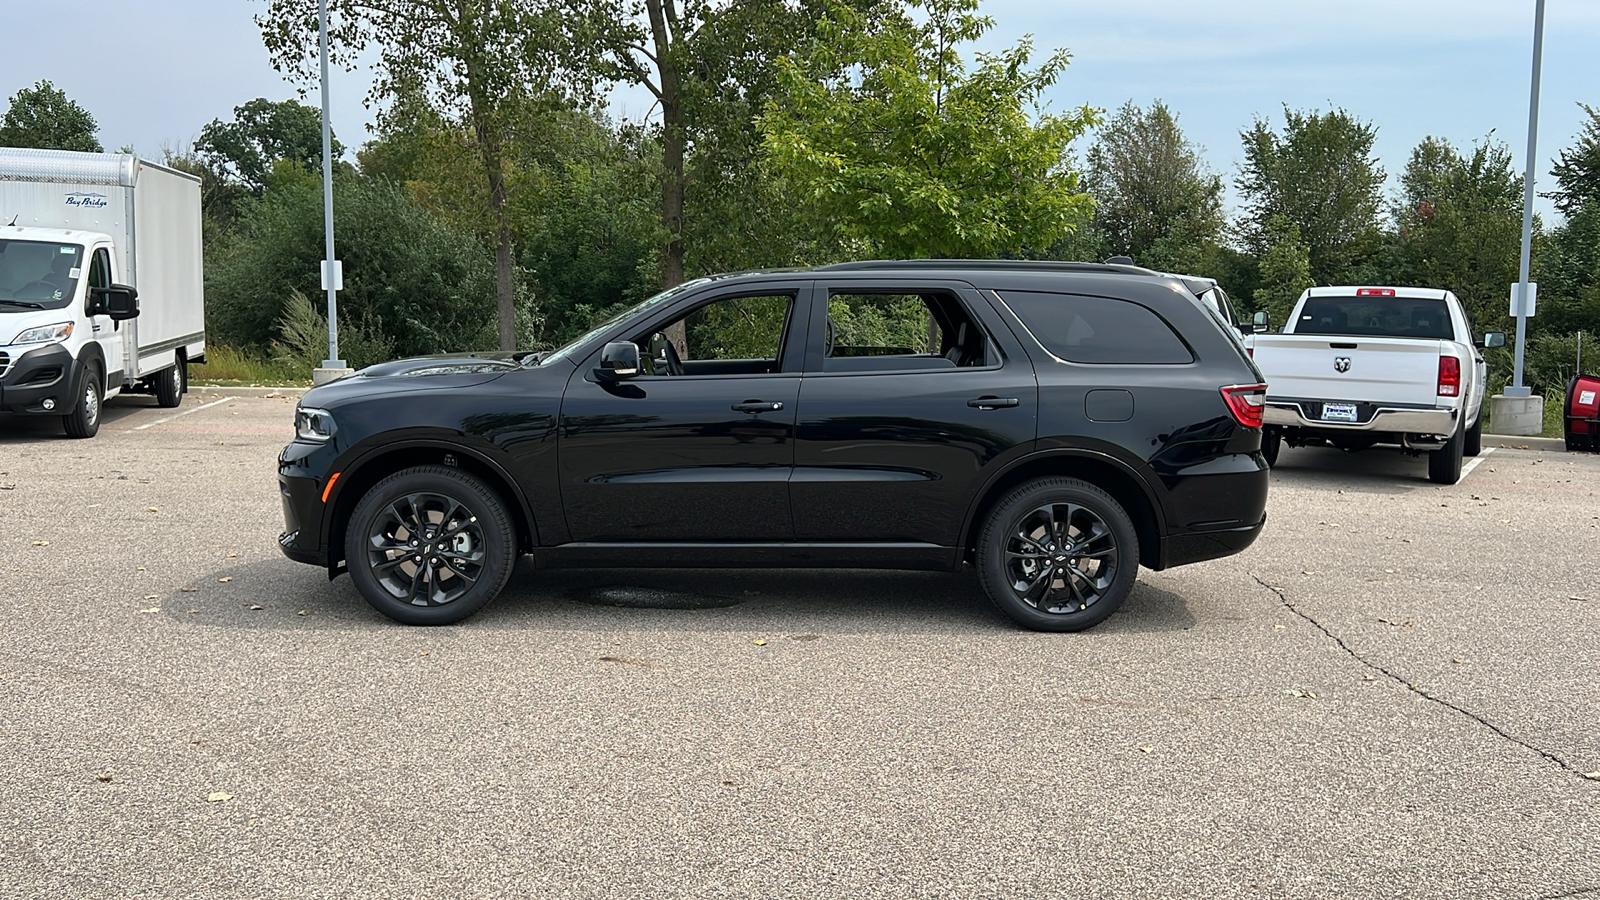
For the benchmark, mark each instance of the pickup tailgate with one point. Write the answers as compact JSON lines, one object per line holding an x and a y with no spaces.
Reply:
{"x":1359,"y":369}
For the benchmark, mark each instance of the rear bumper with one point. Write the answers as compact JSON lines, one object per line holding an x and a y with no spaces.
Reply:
{"x":1370,"y":417}
{"x":30,"y":379}
{"x":1193,"y":547}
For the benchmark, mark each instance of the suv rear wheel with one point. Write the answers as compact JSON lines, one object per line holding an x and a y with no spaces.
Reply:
{"x":1058,"y":554}
{"x":430,"y":545}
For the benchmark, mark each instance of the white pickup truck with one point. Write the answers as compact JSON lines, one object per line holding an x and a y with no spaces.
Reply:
{"x":1358,"y":366}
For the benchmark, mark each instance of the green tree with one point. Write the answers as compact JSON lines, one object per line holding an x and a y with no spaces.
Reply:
{"x":1569,"y":290}
{"x":1154,"y":198}
{"x":1319,"y":173}
{"x":261,"y":134}
{"x":900,"y":151}
{"x":1578,"y":168}
{"x":42,"y":118}
{"x":412,"y":283}
{"x":1459,"y":221}
{"x":1284,"y":271}
{"x":483,"y":63}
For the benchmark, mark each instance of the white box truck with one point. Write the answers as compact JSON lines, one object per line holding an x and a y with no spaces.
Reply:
{"x":100,"y":283}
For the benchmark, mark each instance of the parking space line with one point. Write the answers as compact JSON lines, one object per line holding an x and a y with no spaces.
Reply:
{"x":1467,"y":469}
{"x":178,"y":415}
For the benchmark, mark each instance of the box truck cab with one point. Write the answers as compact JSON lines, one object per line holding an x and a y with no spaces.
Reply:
{"x":100,"y":283}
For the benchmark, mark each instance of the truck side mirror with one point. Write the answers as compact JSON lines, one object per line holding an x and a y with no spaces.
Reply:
{"x":1493,"y":339}
{"x":1261,"y":322}
{"x":119,"y":301}
{"x":618,"y":361}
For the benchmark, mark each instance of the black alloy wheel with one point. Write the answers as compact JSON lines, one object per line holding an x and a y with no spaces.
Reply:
{"x":1058,"y":554}
{"x":430,"y":545}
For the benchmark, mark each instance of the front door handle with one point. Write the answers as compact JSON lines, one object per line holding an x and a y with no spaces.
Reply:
{"x":758,"y":406}
{"x":993,"y":402}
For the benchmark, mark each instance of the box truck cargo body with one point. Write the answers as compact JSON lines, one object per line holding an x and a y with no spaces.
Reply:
{"x":101,"y":288}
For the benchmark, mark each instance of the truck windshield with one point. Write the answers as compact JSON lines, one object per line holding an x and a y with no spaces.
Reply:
{"x":39,"y":273}
{"x":1376,"y":317}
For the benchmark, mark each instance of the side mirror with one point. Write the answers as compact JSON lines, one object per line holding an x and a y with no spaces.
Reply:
{"x":1261,"y":322}
{"x":1493,"y":339}
{"x":118,"y":301}
{"x":618,"y":361}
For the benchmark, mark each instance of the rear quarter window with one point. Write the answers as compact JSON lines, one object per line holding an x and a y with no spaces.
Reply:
{"x":1100,"y":330}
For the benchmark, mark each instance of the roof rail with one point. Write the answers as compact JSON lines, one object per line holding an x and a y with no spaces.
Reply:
{"x":1021,"y":265}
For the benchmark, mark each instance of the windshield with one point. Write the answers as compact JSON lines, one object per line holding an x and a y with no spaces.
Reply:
{"x":586,"y":337}
{"x":1376,"y":317}
{"x":38,"y":274}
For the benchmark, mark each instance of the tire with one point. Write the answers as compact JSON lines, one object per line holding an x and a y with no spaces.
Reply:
{"x":1020,"y":574}
{"x":379,"y":548}
{"x":84,"y":420}
{"x":1474,"y":443}
{"x":169,"y":385}
{"x":1271,"y":443}
{"x":1444,"y":464}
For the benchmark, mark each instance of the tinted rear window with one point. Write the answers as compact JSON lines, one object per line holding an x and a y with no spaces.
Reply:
{"x":1375,"y":317}
{"x":1098,"y":329}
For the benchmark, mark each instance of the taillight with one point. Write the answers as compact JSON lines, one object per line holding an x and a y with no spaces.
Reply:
{"x":1246,"y":401}
{"x":1449,"y":376}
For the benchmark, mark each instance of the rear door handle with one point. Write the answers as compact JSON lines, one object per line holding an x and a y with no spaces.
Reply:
{"x":758,"y":406}
{"x":993,"y":402}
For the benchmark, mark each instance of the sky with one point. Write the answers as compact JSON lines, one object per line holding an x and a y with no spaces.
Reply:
{"x":153,"y":72}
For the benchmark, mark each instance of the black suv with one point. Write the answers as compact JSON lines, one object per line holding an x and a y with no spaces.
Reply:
{"x":1056,"y":425}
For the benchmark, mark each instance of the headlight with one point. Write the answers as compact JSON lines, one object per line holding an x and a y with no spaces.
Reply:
{"x":45,"y":334}
{"x":313,"y":424}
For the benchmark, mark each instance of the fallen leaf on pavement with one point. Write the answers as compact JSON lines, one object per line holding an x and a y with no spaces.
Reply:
{"x":303,"y":612}
{"x":219,"y":797}
{"x":225,"y":579}
{"x":153,"y":609}
{"x":761,"y":642}
{"x":1147,"y":749}
{"x":252,"y":606}
{"x":103,"y":778}
{"x":152,"y":509}
{"x":41,"y":543}
{"x":189,"y":590}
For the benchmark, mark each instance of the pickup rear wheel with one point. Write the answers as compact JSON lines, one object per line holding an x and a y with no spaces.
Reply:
{"x":1474,"y":444}
{"x":1271,"y":443}
{"x":1058,"y":554}
{"x":430,"y":545}
{"x":1444,"y":464}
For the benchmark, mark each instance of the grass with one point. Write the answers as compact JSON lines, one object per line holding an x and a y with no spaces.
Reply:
{"x":234,"y":366}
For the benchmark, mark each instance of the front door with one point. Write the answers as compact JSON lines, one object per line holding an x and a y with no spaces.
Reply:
{"x":700,"y":445}
{"x":909,"y":399}
{"x":104,"y":331}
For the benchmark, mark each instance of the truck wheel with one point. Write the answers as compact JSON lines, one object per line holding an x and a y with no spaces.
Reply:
{"x":1058,"y":554}
{"x":430,"y":545}
{"x":1444,"y":464}
{"x":84,"y":420}
{"x":169,"y":384}
{"x":1271,"y":443}
{"x":1474,"y":444}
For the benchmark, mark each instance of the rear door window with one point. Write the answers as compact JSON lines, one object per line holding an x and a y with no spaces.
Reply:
{"x":1100,"y":330}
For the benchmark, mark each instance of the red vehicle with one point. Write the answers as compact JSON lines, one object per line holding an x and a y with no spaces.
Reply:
{"x":1583,"y":413}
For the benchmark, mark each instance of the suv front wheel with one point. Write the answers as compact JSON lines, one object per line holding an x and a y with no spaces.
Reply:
{"x":1058,"y":554}
{"x":430,"y":545}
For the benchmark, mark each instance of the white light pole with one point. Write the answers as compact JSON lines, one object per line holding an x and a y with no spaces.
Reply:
{"x":1516,"y":389}
{"x":332,"y":271}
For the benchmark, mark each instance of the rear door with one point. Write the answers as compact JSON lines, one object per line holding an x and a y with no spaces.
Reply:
{"x":913,"y":390}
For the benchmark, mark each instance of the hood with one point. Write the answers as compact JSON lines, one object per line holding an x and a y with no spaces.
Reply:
{"x":418,"y":374}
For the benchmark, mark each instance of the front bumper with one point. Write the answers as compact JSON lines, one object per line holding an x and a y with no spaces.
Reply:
{"x":29,"y":379}
{"x":1369,"y":417}
{"x":300,"y":488}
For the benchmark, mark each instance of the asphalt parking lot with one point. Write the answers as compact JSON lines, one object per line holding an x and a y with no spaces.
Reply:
{"x":1393,"y":693}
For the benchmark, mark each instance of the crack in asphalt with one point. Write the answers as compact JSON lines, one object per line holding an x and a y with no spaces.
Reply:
{"x":1580,"y":892}
{"x":1548,"y":756}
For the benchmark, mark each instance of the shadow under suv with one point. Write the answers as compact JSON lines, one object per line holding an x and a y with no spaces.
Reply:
{"x":1055,"y":425}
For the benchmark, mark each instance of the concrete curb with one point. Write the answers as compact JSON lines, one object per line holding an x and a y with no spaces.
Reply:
{"x":1514,"y":442}
{"x":229,"y":390}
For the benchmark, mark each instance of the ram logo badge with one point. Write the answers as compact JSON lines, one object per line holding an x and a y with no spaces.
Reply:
{"x":1341,"y":363}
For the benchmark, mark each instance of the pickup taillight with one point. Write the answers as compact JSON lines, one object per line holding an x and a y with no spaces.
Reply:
{"x":1449,"y":376}
{"x":1246,"y":402}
